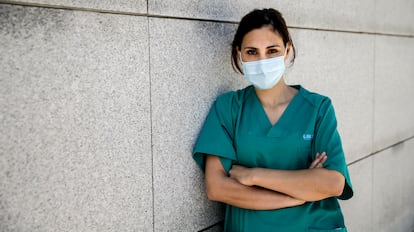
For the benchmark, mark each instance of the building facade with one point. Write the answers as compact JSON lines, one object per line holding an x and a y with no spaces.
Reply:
{"x":101,"y":103}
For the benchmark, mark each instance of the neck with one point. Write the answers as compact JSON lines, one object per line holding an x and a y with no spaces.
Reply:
{"x":276,"y":96}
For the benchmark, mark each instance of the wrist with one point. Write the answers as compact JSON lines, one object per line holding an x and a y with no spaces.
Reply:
{"x":253,"y":176}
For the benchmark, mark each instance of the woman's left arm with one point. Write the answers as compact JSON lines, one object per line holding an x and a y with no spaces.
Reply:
{"x":311,"y":184}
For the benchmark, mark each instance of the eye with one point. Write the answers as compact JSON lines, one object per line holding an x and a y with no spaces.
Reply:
{"x":273,"y":51}
{"x":251,"y":52}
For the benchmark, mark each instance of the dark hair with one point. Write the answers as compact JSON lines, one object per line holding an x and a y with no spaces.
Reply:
{"x":255,"y":20}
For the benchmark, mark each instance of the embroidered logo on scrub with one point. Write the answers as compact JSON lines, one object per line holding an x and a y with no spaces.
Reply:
{"x":307,"y":136}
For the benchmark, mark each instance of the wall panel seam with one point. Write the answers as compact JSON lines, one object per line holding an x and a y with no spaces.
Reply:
{"x":74,"y":8}
{"x":352,"y":32}
{"x":62,"y":7}
{"x":151,"y":123}
{"x":381,"y":150}
{"x":371,"y":183}
{"x":212,"y":226}
{"x":374,"y":82}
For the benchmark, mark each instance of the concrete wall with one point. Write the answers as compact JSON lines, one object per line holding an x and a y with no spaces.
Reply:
{"x":101,"y":103}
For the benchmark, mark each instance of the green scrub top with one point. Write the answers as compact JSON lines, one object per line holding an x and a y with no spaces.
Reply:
{"x":238,"y":131}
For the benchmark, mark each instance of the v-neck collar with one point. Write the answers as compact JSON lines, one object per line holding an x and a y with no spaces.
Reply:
{"x":281,"y":127}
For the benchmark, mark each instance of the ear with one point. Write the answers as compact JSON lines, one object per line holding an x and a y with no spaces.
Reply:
{"x":239,"y":53}
{"x":288,"y":48}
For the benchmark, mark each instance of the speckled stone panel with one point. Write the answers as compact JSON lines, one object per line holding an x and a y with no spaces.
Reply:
{"x":358,"y":210}
{"x":75,"y":150}
{"x":190,"y":66}
{"x":333,"y":64}
{"x":126,"y":6}
{"x":394,"y":90}
{"x":383,"y":186}
{"x":393,"y":185}
{"x":336,"y":15}
{"x":395,"y":16}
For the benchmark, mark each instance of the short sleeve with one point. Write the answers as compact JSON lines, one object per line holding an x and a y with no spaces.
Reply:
{"x":217,"y":133}
{"x":327,"y":140}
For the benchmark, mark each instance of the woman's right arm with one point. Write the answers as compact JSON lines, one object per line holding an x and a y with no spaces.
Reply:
{"x":224,"y":189}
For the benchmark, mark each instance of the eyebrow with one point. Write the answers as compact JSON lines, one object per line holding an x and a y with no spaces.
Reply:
{"x":271,"y":46}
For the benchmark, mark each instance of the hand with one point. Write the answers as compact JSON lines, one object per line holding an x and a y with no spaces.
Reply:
{"x":242,"y":174}
{"x":319,"y":160}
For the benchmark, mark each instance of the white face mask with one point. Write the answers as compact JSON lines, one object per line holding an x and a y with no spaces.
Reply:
{"x":265,"y":73}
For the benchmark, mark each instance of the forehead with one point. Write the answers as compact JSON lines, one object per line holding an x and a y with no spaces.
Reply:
{"x":264,"y":36}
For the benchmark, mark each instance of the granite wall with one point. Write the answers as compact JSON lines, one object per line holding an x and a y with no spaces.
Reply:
{"x":101,"y":103}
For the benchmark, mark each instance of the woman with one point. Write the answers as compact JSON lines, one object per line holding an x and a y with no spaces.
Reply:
{"x":271,"y":152}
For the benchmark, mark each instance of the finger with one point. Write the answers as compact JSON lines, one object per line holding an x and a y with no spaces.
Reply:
{"x":322,"y":161}
{"x":324,"y":158}
{"x":323,"y":154}
{"x":321,"y":157}
{"x":314,"y":163}
{"x":319,"y":160}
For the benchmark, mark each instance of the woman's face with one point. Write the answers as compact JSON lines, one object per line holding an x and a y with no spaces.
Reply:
{"x":262,"y":43}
